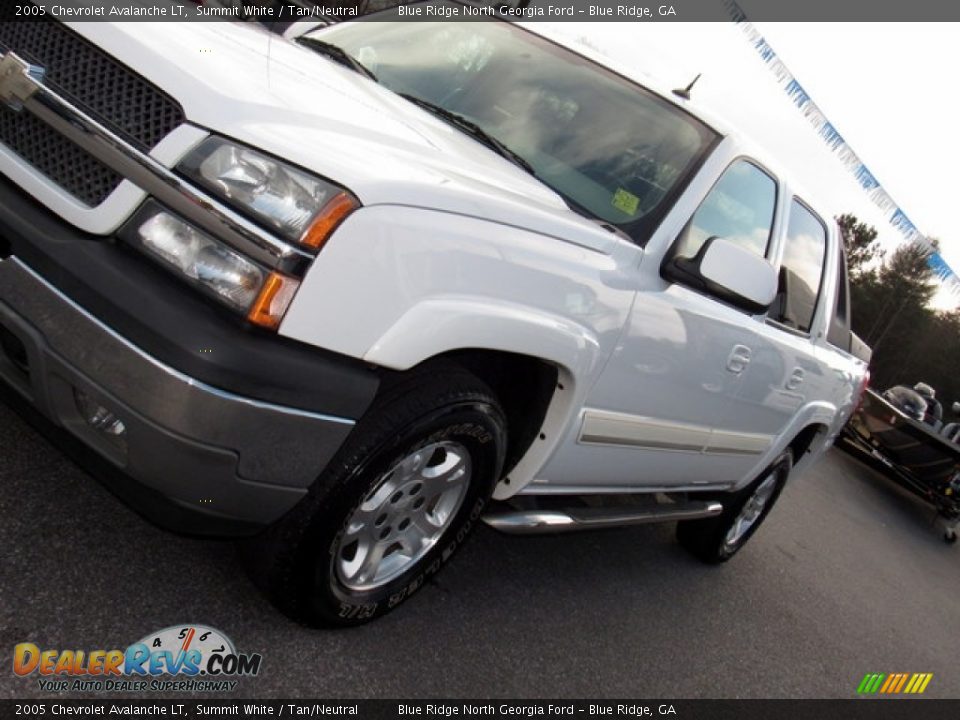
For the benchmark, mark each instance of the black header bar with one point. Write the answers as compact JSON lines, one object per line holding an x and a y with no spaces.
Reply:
{"x":287,"y":11}
{"x":191,"y":707}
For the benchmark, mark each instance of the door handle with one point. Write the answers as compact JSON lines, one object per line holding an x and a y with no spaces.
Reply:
{"x":795,"y":379}
{"x":739,"y":359}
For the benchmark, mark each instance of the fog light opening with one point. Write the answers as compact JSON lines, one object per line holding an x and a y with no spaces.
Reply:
{"x":101,"y":419}
{"x":15,"y":350}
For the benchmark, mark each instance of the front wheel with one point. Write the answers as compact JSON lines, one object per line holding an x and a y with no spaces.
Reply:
{"x":393,"y":507}
{"x":717,"y":539}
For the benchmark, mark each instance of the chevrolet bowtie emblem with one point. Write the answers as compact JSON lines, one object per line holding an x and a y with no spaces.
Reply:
{"x":18,"y":80}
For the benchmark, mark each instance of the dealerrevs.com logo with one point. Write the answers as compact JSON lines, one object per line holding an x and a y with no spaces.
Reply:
{"x":184,"y":658}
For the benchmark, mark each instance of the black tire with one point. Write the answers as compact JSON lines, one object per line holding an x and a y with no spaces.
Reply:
{"x":950,"y":537}
{"x":707,"y":539}
{"x":294,"y":561}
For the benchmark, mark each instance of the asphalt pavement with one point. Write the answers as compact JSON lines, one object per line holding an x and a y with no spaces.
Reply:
{"x":846,"y":577}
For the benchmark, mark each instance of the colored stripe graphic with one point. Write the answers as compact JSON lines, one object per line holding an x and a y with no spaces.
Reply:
{"x":894,"y":683}
{"x":903,"y":680}
{"x":870,"y":683}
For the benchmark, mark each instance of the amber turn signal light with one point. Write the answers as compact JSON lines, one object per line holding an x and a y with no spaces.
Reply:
{"x":271,"y":304}
{"x":326,"y":221}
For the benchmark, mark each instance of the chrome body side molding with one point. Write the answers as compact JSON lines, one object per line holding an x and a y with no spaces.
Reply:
{"x":601,"y":427}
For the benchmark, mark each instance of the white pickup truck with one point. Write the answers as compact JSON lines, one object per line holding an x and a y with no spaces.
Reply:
{"x":337,"y":291}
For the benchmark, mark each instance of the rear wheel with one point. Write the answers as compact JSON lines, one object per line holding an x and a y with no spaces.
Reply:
{"x":394,"y":505}
{"x":717,"y":539}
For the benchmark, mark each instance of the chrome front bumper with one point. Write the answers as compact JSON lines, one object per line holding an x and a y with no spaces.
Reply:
{"x":209,"y":451}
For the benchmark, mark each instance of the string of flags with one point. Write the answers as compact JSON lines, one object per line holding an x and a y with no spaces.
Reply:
{"x":839,"y":146}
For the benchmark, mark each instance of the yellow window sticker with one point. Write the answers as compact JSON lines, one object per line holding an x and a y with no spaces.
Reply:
{"x":625,"y":201}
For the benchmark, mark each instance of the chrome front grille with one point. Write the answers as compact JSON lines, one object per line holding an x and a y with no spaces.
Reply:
{"x":96,"y":83}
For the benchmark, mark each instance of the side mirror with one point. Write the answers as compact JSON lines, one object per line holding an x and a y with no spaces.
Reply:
{"x":728,"y":272}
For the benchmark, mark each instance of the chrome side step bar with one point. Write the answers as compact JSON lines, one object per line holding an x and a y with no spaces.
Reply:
{"x":534,"y":522}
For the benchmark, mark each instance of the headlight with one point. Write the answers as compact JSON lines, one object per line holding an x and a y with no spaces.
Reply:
{"x":211,"y":266}
{"x":202,"y":259}
{"x":300,"y":207}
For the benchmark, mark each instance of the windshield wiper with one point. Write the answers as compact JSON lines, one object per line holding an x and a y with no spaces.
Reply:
{"x":337,"y":54}
{"x":472,"y":129}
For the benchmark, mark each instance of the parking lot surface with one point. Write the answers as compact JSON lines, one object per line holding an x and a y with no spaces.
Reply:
{"x":847,"y":577}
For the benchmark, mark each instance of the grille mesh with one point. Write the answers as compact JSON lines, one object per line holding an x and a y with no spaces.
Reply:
{"x":56,"y":157}
{"x":93,"y":81}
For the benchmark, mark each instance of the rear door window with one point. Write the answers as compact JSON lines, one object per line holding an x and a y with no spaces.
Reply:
{"x":839,"y":331}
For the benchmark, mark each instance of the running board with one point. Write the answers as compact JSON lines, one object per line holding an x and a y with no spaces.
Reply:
{"x":533,"y":522}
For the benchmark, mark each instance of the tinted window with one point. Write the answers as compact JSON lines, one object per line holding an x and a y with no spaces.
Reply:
{"x":613,"y":150}
{"x":839,"y":332}
{"x":802,"y":269}
{"x":739,"y":208}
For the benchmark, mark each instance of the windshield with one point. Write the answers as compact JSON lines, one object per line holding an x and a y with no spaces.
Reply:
{"x":613,"y":150}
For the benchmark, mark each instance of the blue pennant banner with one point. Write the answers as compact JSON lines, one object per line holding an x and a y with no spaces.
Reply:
{"x":838,"y":145}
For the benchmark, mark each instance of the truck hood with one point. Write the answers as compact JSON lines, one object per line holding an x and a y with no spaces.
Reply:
{"x":239,"y":80}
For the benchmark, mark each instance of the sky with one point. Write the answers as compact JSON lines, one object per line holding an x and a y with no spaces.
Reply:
{"x":889,"y":89}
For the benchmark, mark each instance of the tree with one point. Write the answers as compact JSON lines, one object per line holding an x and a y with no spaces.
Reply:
{"x":861,"y":243}
{"x":890,"y":298}
{"x":934,"y":358}
{"x":868,"y":299}
{"x":905,"y":318}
